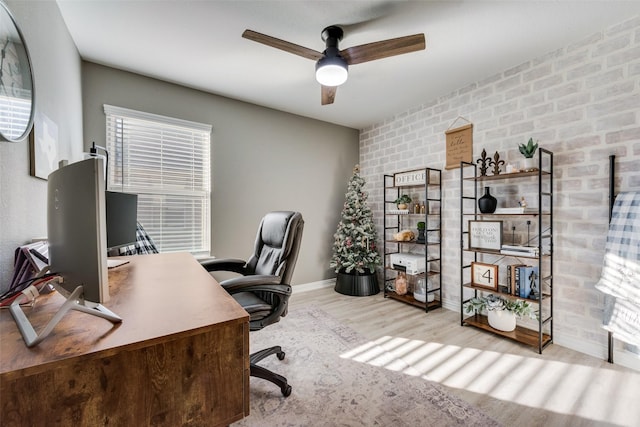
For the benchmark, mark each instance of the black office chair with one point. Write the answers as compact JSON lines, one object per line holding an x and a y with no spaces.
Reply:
{"x":264,"y":289}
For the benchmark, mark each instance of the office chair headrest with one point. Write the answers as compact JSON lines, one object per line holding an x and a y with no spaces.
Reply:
{"x":277,"y":244}
{"x":274,"y":228}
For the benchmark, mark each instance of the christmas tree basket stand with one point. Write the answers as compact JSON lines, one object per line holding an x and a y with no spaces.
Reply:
{"x":357,"y":285}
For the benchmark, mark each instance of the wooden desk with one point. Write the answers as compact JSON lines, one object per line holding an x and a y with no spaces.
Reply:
{"x":180,"y":356}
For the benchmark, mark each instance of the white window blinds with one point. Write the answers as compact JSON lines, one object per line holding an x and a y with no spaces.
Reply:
{"x":15,"y":112}
{"x":166,"y":162}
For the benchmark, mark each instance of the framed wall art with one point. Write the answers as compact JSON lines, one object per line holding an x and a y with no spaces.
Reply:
{"x":43,"y":147}
{"x":459,"y":146}
{"x":485,"y":235}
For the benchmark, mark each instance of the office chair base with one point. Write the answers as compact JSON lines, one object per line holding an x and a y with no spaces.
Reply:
{"x":264,"y":373}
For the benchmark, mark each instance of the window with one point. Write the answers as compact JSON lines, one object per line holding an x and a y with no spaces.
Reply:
{"x":166,"y":162}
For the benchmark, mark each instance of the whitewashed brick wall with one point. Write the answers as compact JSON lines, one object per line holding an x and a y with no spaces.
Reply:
{"x":582,"y":102}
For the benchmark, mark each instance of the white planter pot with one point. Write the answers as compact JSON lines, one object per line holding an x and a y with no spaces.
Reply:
{"x":502,"y":320}
{"x":529,"y":164}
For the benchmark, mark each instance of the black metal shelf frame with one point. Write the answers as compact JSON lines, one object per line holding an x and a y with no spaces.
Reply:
{"x":432,"y":195}
{"x":544,"y":178}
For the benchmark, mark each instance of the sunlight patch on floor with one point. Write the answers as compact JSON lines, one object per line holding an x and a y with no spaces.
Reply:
{"x":530,"y":381}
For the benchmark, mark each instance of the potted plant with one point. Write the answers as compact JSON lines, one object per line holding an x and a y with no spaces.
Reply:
{"x":528,"y":151}
{"x":403,"y":202}
{"x":501,"y":312}
{"x":421,"y":228}
{"x":355,"y":256}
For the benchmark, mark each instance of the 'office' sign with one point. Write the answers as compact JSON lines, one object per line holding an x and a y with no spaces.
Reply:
{"x":417,"y":177}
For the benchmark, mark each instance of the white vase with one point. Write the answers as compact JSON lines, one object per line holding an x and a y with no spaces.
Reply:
{"x":502,"y":320}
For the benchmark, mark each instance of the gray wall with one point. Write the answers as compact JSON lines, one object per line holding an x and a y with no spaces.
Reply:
{"x":262,"y":160}
{"x":57,"y":69}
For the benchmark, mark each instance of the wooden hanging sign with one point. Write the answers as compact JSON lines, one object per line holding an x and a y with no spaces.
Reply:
{"x":459,"y":146}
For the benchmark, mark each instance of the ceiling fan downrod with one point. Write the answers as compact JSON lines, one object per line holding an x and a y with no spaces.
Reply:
{"x":331,"y":36}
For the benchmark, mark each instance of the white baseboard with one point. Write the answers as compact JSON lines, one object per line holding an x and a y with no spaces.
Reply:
{"x":451,"y":305}
{"x":622,"y":358}
{"x":626,"y":359}
{"x":305,"y":287}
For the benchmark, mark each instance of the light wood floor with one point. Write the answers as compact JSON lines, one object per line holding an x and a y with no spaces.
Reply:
{"x":508,"y":381}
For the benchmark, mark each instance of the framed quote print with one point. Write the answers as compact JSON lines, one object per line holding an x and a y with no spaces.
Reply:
{"x":485,"y":235}
{"x":484,"y":275}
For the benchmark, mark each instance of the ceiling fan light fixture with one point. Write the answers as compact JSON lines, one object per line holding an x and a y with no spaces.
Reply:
{"x":332,"y":71}
{"x":332,"y":68}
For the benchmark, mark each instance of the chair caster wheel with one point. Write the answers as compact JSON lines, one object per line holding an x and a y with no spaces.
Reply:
{"x":280,"y":355}
{"x":286,"y":390}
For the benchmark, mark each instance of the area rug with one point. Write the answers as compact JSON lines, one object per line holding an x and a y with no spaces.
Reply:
{"x":331,"y":388}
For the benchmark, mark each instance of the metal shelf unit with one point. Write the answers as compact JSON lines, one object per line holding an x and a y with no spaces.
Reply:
{"x":430,"y":193}
{"x":541,"y":180}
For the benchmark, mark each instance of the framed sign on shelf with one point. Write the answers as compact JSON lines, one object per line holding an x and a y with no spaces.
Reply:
{"x":485,"y":235}
{"x":484,"y":275}
{"x":415,"y":177}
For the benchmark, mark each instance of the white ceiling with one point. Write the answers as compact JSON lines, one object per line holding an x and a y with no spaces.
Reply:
{"x":198,"y":44}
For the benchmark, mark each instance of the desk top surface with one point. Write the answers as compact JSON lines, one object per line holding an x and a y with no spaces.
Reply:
{"x":159,"y":297}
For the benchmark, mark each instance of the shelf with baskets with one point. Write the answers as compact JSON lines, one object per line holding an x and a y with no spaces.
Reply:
{"x":412,"y":238}
{"x":516,"y":267}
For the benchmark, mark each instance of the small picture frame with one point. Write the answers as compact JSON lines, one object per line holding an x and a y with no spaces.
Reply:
{"x":485,"y":235}
{"x":484,"y":275}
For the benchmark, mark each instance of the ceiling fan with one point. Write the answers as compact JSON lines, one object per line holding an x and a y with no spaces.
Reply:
{"x":332,"y":65}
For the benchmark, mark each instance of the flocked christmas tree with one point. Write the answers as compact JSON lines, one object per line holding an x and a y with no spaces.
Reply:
{"x":354,"y":249}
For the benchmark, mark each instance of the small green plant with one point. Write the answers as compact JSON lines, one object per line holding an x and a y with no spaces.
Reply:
{"x":528,"y":150}
{"x":403,"y":199}
{"x":491,"y":302}
{"x":421,"y":225}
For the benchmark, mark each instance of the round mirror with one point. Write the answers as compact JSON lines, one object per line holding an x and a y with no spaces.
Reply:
{"x":17,"y":97}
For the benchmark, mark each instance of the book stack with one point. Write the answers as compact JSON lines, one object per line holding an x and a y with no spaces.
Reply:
{"x":518,"y":210}
{"x":518,"y":250}
{"x":523,"y":280}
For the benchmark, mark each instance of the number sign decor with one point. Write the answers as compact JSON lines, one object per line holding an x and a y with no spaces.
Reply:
{"x":485,"y":235}
{"x":484,"y":275}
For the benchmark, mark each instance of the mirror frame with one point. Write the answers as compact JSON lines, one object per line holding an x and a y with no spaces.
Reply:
{"x":24,"y":61}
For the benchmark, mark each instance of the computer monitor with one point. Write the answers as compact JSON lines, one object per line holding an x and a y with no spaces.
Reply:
{"x":122,"y":215}
{"x":76,"y":222}
{"x":77,"y":232}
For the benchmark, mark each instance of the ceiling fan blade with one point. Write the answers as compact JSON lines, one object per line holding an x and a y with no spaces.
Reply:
{"x":328,"y":94}
{"x":282,"y":45}
{"x":383,"y":49}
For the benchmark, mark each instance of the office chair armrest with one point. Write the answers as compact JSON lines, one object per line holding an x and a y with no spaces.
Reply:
{"x":256,"y":283}
{"x":224,"y":264}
